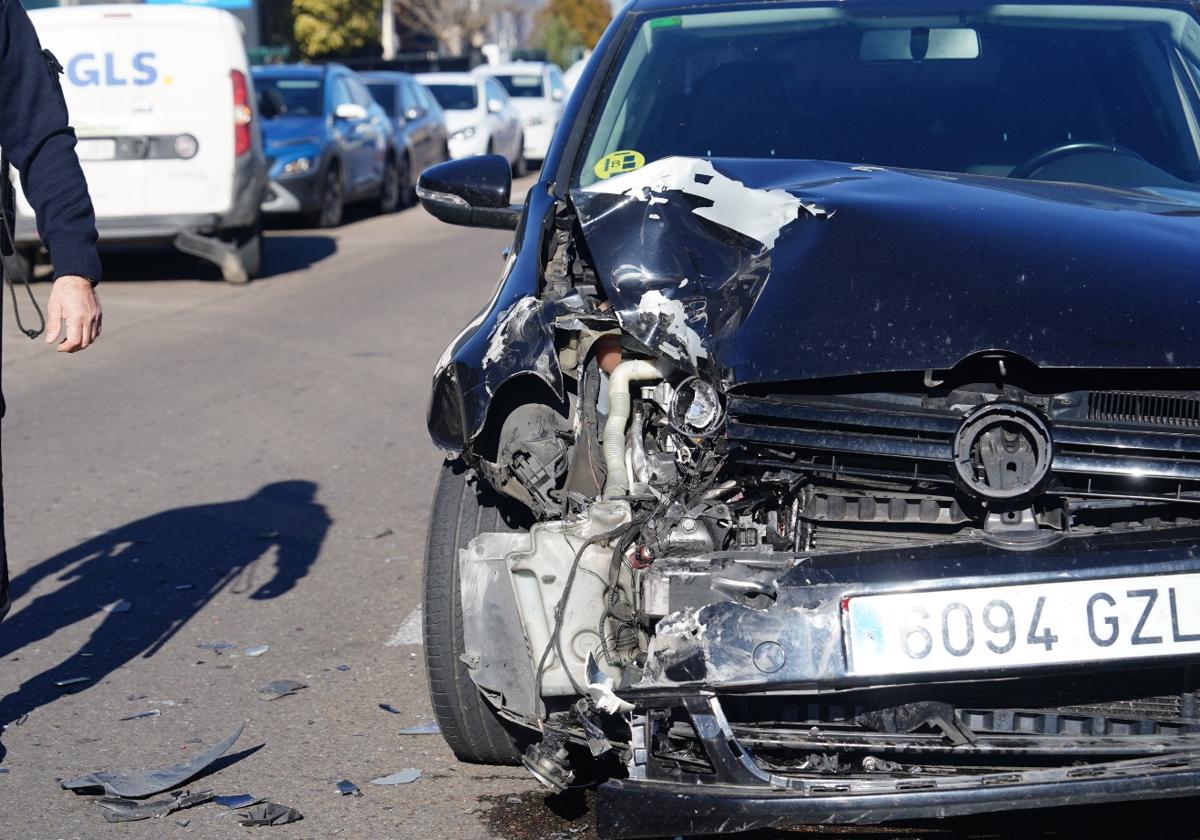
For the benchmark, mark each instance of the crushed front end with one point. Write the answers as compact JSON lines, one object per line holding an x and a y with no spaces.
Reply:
{"x":779,"y":585}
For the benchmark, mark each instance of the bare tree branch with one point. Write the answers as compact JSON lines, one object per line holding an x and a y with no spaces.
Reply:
{"x":452,"y":22}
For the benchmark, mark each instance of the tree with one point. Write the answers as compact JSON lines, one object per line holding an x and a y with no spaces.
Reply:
{"x":567,"y":26}
{"x":453,"y":22}
{"x":336,"y":27}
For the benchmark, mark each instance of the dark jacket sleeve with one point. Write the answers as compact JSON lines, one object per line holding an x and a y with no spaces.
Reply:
{"x":41,"y":145}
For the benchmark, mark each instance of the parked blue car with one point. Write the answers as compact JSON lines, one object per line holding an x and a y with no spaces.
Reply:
{"x":328,"y":143}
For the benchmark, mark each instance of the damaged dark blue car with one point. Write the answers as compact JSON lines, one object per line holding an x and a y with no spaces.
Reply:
{"x":829,"y":451}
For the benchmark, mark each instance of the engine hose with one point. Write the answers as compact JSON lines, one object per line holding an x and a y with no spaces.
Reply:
{"x":620,"y":405}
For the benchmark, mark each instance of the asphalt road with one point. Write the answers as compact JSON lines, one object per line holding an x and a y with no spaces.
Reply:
{"x":249,"y":466}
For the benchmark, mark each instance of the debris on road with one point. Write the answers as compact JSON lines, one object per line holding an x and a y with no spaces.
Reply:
{"x":216,"y":647}
{"x":256,"y":650}
{"x":280,"y":688}
{"x":430,"y":727}
{"x":404,"y":777}
{"x":118,"y":606}
{"x":149,"y":713}
{"x":117,"y":809}
{"x":376,"y":535}
{"x":270,"y":813}
{"x":347,"y":788}
{"x":148,"y":781}
{"x":388,"y":707}
{"x":71,"y":681}
{"x":343,"y":667}
{"x":239,"y":800}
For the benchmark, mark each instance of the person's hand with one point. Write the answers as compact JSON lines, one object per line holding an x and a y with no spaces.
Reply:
{"x":73,"y":300}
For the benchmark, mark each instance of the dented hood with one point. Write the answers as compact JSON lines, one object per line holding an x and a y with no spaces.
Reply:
{"x":769,"y":271}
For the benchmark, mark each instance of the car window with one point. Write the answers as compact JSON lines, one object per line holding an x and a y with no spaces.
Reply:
{"x":426,"y":98}
{"x":385,"y":94}
{"x":359,"y":92}
{"x":495,"y":91}
{"x":455,"y":97}
{"x":341,"y":92}
{"x":300,"y":97}
{"x":968,"y":96}
{"x":409,"y":100}
{"x":522,"y":85}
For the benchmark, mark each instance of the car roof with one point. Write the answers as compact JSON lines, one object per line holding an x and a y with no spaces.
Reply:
{"x":447,"y":78}
{"x":315,"y":71}
{"x":385,"y":76}
{"x":512,"y":68}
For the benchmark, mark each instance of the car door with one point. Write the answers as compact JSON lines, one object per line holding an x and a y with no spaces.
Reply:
{"x":348,"y":134}
{"x":376,"y":133}
{"x":419,"y":133}
{"x":439,"y":134}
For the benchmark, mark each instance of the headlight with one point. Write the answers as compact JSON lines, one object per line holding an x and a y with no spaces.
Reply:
{"x":295,"y":167}
{"x":464,"y":133}
{"x":696,"y":407}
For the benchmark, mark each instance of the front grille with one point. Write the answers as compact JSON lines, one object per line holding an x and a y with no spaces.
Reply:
{"x":864,"y":439}
{"x":1147,"y":409}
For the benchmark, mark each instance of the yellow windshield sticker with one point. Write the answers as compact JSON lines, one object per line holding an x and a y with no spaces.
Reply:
{"x":618,"y":162}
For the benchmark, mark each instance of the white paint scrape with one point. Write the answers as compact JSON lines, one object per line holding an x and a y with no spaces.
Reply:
{"x":759,"y":214}
{"x":408,"y":633}
{"x":656,"y":304}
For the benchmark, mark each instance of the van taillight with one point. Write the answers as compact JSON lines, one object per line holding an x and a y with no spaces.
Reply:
{"x":243,"y":116}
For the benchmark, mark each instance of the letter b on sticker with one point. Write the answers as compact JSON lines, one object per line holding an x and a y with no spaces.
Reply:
{"x":618,"y":162}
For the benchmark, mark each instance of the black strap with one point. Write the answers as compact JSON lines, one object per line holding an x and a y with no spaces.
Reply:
{"x":8,"y":249}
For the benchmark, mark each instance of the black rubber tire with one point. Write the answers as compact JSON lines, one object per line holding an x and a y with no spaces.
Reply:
{"x":519,"y":168}
{"x":250,"y":253}
{"x":391,"y":191}
{"x":333,"y":199}
{"x":461,"y":509}
{"x":408,"y":183}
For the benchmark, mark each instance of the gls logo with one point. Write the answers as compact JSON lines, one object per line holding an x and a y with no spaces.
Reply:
{"x":88,"y":69}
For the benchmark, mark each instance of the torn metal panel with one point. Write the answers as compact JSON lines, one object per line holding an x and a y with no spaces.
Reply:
{"x":148,"y":781}
{"x":118,"y":809}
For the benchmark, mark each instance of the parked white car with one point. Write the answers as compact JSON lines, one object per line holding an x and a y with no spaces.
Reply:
{"x":480,"y":116}
{"x":539,"y":92}
{"x":163,"y":104}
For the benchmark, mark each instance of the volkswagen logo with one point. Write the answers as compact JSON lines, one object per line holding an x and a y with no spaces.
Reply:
{"x":1002,"y":451}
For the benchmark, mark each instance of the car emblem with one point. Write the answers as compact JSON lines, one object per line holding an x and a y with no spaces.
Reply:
{"x":1002,"y":451}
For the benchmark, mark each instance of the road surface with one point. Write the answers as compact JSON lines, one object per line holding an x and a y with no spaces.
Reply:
{"x":246,"y":467}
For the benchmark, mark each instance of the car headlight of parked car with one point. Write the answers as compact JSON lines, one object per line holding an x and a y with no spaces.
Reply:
{"x":297,"y":166}
{"x":464,"y":133}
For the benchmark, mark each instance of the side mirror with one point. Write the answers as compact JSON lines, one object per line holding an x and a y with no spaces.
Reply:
{"x":414,"y":113}
{"x":495,"y":106}
{"x":350,"y":111}
{"x":473,"y":192}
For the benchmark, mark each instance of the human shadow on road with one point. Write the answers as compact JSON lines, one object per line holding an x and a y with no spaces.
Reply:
{"x":168,"y":566}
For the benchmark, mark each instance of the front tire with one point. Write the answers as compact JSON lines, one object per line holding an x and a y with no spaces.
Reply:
{"x":391,"y":190}
{"x":462,"y":509}
{"x":333,"y":200}
{"x":519,"y":168}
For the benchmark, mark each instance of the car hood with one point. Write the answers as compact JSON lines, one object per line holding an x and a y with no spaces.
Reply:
{"x":771,"y":271}
{"x":282,"y":132}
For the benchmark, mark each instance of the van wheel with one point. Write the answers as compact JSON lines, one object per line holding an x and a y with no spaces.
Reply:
{"x":462,"y":508}
{"x":333,"y":199}
{"x":390,"y":191}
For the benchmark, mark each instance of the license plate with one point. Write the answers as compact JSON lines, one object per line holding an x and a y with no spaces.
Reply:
{"x":1012,"y":626}
{"x":97,"y":149}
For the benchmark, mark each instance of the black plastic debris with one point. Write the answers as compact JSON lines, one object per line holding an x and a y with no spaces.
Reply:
{"x":280,"y":688}
{"x":117,"y":809}
{"x":72,"y":681}
{"x":347,"y":788}
{"x":240,"y":800}
{"x":149,"y":713}
{"x":140,"y":783}
{"x":343,"y":667}
{"x":376,"y":535}
{"x":388,"y":707}
{"x":429,"y":727}
{"x":406,"y":776}
{"x":3,"y":770}
{"x":269,"y":813}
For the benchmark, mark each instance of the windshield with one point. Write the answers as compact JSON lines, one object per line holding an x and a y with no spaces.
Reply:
{"x":299,"y":97}
{"x":522,"y":87}
{"x":385,"y":95}
{"x":455,"y":97}
{"x":1094,"y":94}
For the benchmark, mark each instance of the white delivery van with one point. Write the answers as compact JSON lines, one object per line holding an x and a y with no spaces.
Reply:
{"x":163,"y":104}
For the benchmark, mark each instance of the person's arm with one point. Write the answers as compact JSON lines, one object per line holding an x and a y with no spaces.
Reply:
{"x":37,"y":139}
